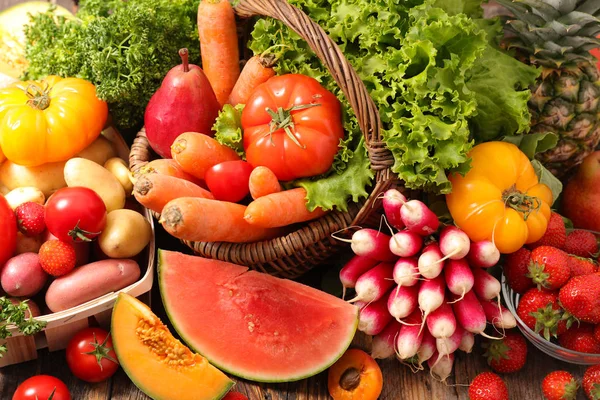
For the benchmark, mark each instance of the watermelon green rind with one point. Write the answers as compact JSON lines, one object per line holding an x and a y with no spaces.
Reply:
{"x":235,"y":370}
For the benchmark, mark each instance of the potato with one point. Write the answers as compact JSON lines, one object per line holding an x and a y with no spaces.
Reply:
{"x":125,"y":235}
{"x":90,"y":282}
{"x":118,"y":167}
{"x":26,"y":244}
{"x":21,"y":195}
{"x":99,"y":151}
{"x":86,"y":173}
{"x":23,"y":275}
{"x":48,"y":177}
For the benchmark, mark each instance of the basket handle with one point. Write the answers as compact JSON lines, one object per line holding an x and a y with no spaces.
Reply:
{"x":341,"y":70}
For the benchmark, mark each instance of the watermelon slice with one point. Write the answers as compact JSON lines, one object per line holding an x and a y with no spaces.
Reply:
{"x":253,"y":325}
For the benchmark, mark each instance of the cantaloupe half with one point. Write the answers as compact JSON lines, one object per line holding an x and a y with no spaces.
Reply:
{"x":156,"y":362}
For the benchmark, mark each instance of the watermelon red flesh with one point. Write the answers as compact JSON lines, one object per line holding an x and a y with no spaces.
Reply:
{"x":253,"y":325}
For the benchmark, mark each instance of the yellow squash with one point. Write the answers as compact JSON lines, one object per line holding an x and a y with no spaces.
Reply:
{"x":500,"y":198}
{"x":50,"y":120}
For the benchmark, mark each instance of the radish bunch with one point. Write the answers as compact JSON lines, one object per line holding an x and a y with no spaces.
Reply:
{"x":423,"y":295}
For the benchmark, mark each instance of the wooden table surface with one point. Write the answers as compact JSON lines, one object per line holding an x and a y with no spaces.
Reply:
{"x":399,"y":382}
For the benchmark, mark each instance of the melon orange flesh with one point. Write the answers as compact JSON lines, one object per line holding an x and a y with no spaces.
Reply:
{"x":156,"y":362}
{"x":254,"y":325}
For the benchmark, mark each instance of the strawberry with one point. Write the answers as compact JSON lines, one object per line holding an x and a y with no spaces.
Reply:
{"x":580,"y":338}
{"x":506,"y":355}
{"x":581,"y":243}
{"x":548,"y":267}
{"x":591,"y":382}
{"x":581,"y":266}
{"x":516,"y":268}
{"x":555,"y":236}
{"x":30,"y":218}
{"x":56,"y":257}
{"x":597,"y":333}
{"x":488,"y":386}
{"x":581,"y":297}
{"x":235,"y":396}
{"x":559,"y":385}
{"x":535,"y":300}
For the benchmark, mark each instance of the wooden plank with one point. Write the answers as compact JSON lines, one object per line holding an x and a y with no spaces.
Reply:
{"x":20,"y":349}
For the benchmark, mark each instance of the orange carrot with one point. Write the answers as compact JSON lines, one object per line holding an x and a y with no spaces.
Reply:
{"x":154,"y":191}
{"x":206,"y":220}
{"x":219,"y":46}
{"x":257,"y":70}
{"x":281,"y":209}
{"x":263,"y":182}
{"x":196,"y":153}
{"x":171,"y":168}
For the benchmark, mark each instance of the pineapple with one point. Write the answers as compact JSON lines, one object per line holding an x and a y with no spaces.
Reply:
{"x":557,"y":35}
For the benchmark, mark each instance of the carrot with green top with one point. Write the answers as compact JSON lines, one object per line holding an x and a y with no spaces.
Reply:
{"x":219,"y":46}
{"x":281,"y":209}
{"x":204,"y":220}
{"x":196,"y":153}
{"x":263,"y":182}
{"x":257,"y":70}
{"x":154,"y":191}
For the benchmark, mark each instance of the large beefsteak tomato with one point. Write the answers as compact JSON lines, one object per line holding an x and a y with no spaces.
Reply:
{"x":293,"y":126}
{"x":500,"y":198}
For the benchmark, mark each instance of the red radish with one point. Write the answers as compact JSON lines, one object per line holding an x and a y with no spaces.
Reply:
{"x":373,"y":284}
{"x":483,"y":254}
{"x":374,"y":317}
{"x":449,"y":345}
{"x":441,"y":323}
{"x":441,"y":366}
{"x":392,"y":203}
{"x":402,"y":301}
{"x":467,"y":342}
{"x":486,"y":287}
{"x":431,"y":296}
{"x":427,"y":347}
{"x":498,"y":315}
{"x":469,"y":314}
{"x":353,"y":269}
{"x":459,"y":277}
{"x":430,"y":262}
{"x":371,"y":243}
{"x":409,"y":337}
{"x":454,"y":243}
{"x":385,"y":342}
{"x":418,"y":218}
{"x":406,"y":272}
{"x":406,"y":244}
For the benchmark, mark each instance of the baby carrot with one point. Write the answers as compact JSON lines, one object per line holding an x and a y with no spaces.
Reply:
{"x":168,"y":167}
{"x":280,"y":209}
{"x":154,"y":191}
{"x":196,"y":153}
{"x":206,"y":220}
{"x":257,"y":70}
{"x":263,"y":182}
{"x":219,"y":46}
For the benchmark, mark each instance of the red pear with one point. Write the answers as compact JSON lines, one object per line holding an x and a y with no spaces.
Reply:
{"x":581,"y":197}
{"x":185,"y":102}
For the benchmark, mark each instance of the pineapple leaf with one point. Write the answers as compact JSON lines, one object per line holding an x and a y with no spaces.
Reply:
{"x":522,"y":13}
{"x":580,"y":42}
{"x":578,"y":18}
{"x":589,"y":7}
{"x":543,"y":9}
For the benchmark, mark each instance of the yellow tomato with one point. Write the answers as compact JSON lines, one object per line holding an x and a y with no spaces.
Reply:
{"x":2,"y":157}
{"x":50,"y":120}
{"x":500,"y":198}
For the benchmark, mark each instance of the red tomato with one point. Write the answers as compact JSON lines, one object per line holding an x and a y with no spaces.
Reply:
{"x":75,"y":214}
{"x":228,"y":181}
{"x":90,"y":355}
{"x":293,"y":126}
{"x":8,"y":231}
{"x":41,"y":387}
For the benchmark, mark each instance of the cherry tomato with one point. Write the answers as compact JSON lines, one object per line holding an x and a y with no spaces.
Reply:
{"x":228,"y":181}
{"x":90,"y":355}
{"x":41,"y":387}
{"x":293,"y":126}
{"x":75,"y":214}
{"x":8,"y":231}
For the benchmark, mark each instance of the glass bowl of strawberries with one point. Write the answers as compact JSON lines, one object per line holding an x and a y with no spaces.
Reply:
{"x":554,"y":295}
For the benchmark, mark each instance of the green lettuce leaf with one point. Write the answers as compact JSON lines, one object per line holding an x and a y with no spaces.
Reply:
{"x":228,"y":127}
{"x":533,"y":143}
{"x":547,"y":178}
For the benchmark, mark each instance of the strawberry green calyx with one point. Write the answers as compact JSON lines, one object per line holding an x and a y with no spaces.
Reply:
{"x":495,"y":351}
{"x":538,"y":275}
{"x":571,"y":390}
{"x":547,"y":320}
{"x":595,"y":392}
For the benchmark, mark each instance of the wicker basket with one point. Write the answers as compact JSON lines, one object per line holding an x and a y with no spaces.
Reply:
{"x":292,"y":255}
